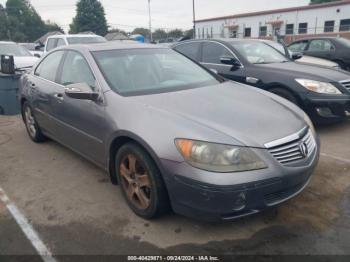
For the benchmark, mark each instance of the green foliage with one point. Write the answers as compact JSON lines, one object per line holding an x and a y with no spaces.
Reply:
{"x":159,"y":34}
{"x":312,"y":2}
{"x":21,"y":23}
{"x":90,"y":17}
{"x":188,"y":33}
{"x":141,"y":31}
{"x":176,"y":33}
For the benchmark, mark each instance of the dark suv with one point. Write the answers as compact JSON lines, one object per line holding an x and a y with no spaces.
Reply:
{"x":331,"y":48}
{"x":321,"y":92}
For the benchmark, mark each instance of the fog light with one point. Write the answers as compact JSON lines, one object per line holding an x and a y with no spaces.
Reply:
{"x":240,"y":202}
{"x":324,"y":111}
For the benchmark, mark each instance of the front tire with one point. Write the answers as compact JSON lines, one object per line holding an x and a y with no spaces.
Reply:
{"x":31,"y":124}
{"x":140,"y":181}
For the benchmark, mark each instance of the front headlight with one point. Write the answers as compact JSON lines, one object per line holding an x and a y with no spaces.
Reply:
{"x":319,"y":87}
{"x":310,"y":124}
{"x":217,"y":157}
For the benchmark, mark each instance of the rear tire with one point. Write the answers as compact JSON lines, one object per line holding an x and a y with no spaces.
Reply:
{"x":140,"y":181}
{"x":31,"y":124}
{"x":285,"y":94}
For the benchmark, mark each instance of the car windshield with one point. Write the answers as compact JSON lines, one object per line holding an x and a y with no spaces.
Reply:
{"x":135,"y":71}
{"x":344,"y":41}
{"x":256,"y":52}
{"x":14,"y":50}
{"x":86,"y":40}
{"x":279,"y":47}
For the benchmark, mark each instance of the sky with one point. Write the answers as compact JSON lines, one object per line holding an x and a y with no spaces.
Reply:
{"x":166,"y":14}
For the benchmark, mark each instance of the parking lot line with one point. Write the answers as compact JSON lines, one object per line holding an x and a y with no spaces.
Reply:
{"x":27,"y":228}
{"x":336,"y":157}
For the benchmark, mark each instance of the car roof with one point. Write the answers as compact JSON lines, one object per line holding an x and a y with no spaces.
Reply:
{"x":314,"y":37}
{"x":110,"y":46}
{"x":220,"y":40}
{"x":73,"y":35}
{"x":7,"y":42}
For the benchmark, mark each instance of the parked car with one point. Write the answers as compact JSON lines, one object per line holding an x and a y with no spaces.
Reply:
{"x":34,"y":49}
{"x":299,"y":57}
{"x":323,"y":93}
{"x":171,"y":132}
{"x":331,"y":48}
{"x":22,"y":57}
{"x":55,"y":41}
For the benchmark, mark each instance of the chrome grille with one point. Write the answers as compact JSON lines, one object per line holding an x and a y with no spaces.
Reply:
{"x":298,"y":148}
{"x":346,"y":84}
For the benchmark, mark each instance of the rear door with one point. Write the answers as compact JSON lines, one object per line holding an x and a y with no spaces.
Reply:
{"x":43,"y":88}
{"x":82,"y":121}
{"x":211,"y":54}
{"x":322,"y":48}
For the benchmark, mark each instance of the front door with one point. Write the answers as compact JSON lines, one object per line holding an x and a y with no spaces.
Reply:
{"x":211,"y":54}
{"x":321,"y":48}
{"x":83,"y":120}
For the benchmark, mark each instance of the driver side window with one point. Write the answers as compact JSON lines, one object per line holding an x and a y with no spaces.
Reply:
{"x":212,"y":53}
{"x":76,"y":70}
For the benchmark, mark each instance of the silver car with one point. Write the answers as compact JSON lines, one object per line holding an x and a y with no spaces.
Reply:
{"x":171,"y":133}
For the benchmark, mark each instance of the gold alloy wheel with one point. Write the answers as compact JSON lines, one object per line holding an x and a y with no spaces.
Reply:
{"x":135,"y":181}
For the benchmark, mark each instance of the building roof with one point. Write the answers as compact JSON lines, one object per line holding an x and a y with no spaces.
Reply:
{"x":276,"y":11}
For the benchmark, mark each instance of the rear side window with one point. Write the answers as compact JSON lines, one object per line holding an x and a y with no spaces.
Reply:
{"x":48,"y":68}
{"x":76,"y":70}
{"x":51,"y":44}
{"x":190,"y":50}
{"x":212,"y":52}
{"x":298,"y":46}
{"x":60,"y":42}
{"x":321,"y":45}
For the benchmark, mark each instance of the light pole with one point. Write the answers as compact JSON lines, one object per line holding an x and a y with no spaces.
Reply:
{"x":194,"y":20}
{"x":150,"y":20}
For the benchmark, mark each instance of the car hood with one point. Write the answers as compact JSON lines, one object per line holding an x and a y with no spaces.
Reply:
{"x":298,"y":70}
{"x":316,"y":61}
{"x":248,"y":115}
{"x":25,"y":61}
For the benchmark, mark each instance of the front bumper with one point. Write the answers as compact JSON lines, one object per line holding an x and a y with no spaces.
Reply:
{"x":326,"y":109}
{"x":225,"y":200}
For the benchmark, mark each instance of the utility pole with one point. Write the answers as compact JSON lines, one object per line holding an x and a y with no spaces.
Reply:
{"x":150,"y":20}
{"x":194,"y":20}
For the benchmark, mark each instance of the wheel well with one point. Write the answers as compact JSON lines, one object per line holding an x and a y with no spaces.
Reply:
{"x":115,"y":145}
{"x":286,"y":88}
{"x":23,"y":100}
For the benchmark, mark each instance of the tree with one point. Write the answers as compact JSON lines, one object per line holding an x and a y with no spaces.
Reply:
{"x":24,"y":23}
{"x":312,"y":2}
{"x":90,"y":17}
{"x":188,"y":33}
{"x":176,"y":33}
{"x":141,"y":31}
{"x":3,"y":23}
{"x":159,"y":34}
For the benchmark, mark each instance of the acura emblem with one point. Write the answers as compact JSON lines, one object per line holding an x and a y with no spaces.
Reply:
{"x":303,"y":149}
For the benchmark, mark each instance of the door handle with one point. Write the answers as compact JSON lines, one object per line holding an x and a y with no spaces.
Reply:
{"x":59,"y":96}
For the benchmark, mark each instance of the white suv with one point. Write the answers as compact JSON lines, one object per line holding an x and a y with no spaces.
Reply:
{"x":59,"y":40}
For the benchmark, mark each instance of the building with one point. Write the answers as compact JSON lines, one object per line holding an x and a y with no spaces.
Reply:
{"x":328,"y":19}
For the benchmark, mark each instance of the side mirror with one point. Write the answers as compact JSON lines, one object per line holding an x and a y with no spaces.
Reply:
{"x":296,"y":56}
{"x":81,"y":91}
{"x":7,"y":65}
{"x":230,"y":61}
{"x":37,"y":55}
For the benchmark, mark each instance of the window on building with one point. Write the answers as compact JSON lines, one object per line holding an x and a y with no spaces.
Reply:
{"x":211,"y":32}
{"x":263,"y":31}
{"x":247,"y":32}
{"x":199,"y":33}
{"x":233,"y":33}
{"x":289,"y":29}
{"x":207,"y":33}
{"x":203,"y":32}
{"x":344,"y":25}
{"x":328,"y":26}
{"x":302,"y":28}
